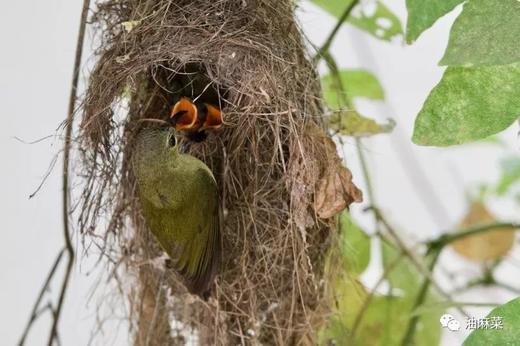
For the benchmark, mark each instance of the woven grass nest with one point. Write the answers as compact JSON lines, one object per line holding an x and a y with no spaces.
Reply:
{"x":280,"y":180}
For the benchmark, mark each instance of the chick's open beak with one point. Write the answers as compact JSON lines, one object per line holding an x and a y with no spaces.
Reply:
{"x":213,"y":118}
{"x":184,"y":114}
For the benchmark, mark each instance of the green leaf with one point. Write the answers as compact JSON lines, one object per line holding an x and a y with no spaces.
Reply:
{"x":379,"y":21}
{"x":355,"y":245}
{"x":333,"y":7}
{"x":382,"y":24}
{"x":351,"y":123}
{"x":423,"y":14}
{"x":469,"y":104}
{"x":486,"y":33}
{"x":385,"y":316}
{"x":358,"y":83}
{"x":510,"y":174}
{"x":509,"y":314}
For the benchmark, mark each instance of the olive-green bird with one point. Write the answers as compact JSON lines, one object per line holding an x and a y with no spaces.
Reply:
{"x":179,"y":200}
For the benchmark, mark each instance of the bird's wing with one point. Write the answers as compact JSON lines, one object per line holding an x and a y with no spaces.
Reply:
{"x":199,"y":261}
{"x":190,"y":234}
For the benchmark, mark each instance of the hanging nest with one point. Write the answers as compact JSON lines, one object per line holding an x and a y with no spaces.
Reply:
{"x":280,"y":180}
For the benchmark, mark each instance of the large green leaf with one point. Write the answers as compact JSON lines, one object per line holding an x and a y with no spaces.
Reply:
{"x":422,"y":14}
{"x":487,"y":32}
{"x":357,"y":82}
{"x":469,"y":104}
{"x":379,"y":21}
{"x":384,"y":320}
{"x":508,"y":316}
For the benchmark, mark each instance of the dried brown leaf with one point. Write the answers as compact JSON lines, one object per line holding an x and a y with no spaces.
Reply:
{"x":335,"y":191}
{"x":484,"y":246}
{"x":321,"y":177}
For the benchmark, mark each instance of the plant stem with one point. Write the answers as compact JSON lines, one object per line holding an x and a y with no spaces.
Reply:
{"x":34,"y":313}
{"x":366,"y":303}
{"x":326,"y":46}
{"x":400,"y":244}
{"x":435,"y":247}
{"x":508,"y":287}
{"x":449,"y":238}
{"x":421,"y":297}
{"x":366,"y":174}
{"x":66,"y":165}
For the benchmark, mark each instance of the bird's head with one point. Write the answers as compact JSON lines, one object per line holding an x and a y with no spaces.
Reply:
{"x":155,"y":142}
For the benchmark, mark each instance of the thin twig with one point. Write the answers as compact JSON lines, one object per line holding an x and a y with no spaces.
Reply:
{"x":508,"y":287}
{"x":450,"y":237}
{"x":66,"y":163}
{"x":449,"y":304}
{"x":34,"y":313}
{"x":419,"y":301}
{"x":421,"y":268}
{"x":427,"y":272}
{"x":435,"y":247}
{"x":366,"y":303}
{"x":326,"y":46}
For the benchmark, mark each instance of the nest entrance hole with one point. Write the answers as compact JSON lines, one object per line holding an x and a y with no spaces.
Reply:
{"x":190,"y":80}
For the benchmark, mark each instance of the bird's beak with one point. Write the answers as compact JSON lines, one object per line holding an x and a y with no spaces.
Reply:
{"x":184,"y":114}
{"x":214,"y":118}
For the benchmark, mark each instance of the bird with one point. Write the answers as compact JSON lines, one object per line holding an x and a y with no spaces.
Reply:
{"x":193,"y":118}
{"x":179,"y":199}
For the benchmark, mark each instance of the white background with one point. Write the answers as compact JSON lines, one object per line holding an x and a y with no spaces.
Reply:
{"x":37,"y":41}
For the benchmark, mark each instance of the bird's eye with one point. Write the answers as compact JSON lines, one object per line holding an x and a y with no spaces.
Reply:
{"x":171,"y":140}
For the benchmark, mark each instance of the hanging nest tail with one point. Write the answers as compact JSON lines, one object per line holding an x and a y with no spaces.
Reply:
{"x":280,"y":180}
